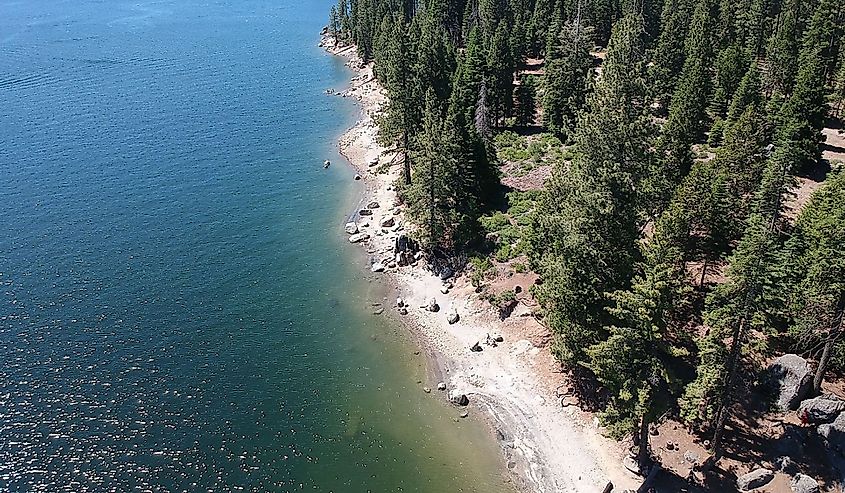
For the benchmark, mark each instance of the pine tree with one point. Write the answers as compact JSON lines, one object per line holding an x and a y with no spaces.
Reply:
{"x":782,"y":50}
{"x":839,"y":85}
{"x":568,"y":67}
{"x":802,"y":115}
{"x":431,"y":197}
{"x":669,"y":53}
{"x":585,"y":233}
{"x":539,"y":28}
{"x":469,"y":75}
{"x":818,"y":257}
{"x":731,"y":66}
{"x":747,"y":94}
{"x":401,"y":118}
{"x":630,"y":363}
{"x":734,"y":309}
{"x":750,"y":24}
{"x":435,"y":62}
{"x":686,"y":121}
{"x":500,"y":68}
{"x":526,"y":100}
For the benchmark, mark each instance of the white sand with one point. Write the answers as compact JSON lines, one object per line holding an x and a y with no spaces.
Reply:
{"x":548,"y":448}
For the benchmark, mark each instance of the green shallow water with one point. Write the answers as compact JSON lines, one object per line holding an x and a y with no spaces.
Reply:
{"x":180,"y":310}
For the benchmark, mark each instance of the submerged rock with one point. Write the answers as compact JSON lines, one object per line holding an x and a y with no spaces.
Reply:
{"x":441,"y":386}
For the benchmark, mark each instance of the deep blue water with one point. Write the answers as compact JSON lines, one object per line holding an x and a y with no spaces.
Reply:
{"x":179,"y":310}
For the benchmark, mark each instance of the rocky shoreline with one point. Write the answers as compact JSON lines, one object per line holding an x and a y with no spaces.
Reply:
{"x":477,"y":365}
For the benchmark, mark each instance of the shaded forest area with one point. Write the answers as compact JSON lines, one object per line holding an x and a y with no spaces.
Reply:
{"x":678,"y":248}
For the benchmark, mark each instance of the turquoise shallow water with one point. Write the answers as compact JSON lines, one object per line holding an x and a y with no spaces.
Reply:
{"x":179,"y":309}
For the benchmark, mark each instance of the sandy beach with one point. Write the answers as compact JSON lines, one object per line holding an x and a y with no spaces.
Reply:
{"x":548,"y":443}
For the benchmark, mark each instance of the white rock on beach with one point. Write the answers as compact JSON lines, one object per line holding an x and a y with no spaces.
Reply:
{"x":378,"y":267}
{"x":351,"y":228}
{"x":359,"y":237}
{"x":452,"y":317}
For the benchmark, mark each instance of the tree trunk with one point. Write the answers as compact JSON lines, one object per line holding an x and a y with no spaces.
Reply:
{"x":431,"y":204}
{"x":823,"y":361}
{"x":406,"y":157}
{"x":818,"y":379}
{"x":703,"y":274}
{"x":643,"y":458}
{"x":733,"y":366}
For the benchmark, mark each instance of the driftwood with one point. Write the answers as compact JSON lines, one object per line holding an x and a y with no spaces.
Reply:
{"x":608,"y":487}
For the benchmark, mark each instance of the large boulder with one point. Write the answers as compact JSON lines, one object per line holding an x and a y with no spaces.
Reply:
{"x":802,"y":483}
{"x":458,"y":399}
{"x":351,"y":228}
{"x":452,"y":317}
{"x":834,"y":433}
{"x":821,"y":409}
{"x":358,"y":237}
{"x":790,"y":379}
{"x":755,"y":479}
{"x":431,"y":305}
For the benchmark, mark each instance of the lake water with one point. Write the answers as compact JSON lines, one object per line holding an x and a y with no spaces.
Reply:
{"x":179,"y":309}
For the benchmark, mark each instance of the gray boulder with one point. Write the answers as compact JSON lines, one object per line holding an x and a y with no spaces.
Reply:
{"x":387,"y":222}
{"x":802,"y":483}
{"x":821,"y":409}
{"x":358,"y":237}
{"x":790,"y":378}
{"x":834,"y":433}
{"x":459,"y":399}
{"x":431,"y":305}
{"x":452,"y":317}
{"x":754,"y":479}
